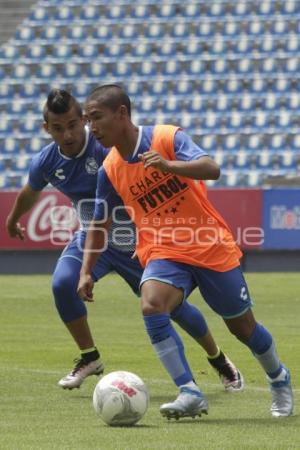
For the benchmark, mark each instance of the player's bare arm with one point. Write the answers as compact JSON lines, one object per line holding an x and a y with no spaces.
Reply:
{"x":203,"y":168}
{"x":25,"y":200}
{"x":95,"y":242}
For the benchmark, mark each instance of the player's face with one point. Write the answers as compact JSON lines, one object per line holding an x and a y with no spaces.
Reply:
{"x":67,"y":130}
{"x":105,"y":124}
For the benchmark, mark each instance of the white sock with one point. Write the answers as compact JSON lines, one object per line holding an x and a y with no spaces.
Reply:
{"x":191,"y":385}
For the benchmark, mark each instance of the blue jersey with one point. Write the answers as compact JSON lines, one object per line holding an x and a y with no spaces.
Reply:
{"x":76,"y":177}
{"x":185,"y":150}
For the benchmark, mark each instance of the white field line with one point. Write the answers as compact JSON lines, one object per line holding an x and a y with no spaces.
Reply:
{"x":147,"y":380}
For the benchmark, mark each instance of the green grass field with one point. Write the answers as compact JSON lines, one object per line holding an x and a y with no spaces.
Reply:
{"x":36,"y":352}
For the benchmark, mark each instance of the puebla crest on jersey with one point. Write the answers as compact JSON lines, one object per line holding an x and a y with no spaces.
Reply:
{"x":91,"y":166}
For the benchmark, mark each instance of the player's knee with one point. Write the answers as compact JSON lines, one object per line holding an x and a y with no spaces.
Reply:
{"x":61,"y":284}
{"x":151,"y":304}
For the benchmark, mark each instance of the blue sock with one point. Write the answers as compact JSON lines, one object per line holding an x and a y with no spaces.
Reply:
{"x":190,"y":319}
{"x":169,"y":347}
{"x":262,"y":346}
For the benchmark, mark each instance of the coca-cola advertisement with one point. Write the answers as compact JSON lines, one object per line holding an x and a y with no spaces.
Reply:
{"x":49,"y":225}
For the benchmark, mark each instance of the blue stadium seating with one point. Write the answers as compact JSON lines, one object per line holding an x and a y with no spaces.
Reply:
{"x":226,"y":71}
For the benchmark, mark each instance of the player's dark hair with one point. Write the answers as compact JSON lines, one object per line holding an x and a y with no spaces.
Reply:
{"x":60,"y":101}
{"x":112,"y":96}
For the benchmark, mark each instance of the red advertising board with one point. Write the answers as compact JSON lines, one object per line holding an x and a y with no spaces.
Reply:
{"x":52,"y":221}
{"x":242,"y":210}
{"x":49,"y":225}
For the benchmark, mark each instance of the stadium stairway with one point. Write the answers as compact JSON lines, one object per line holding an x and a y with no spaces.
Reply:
{"x":12,"y":14}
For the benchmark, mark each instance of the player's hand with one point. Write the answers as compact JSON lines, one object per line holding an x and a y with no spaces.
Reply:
{"x":85,"y":287}
{"x":15,"y":229}
{"x":154,"y":159}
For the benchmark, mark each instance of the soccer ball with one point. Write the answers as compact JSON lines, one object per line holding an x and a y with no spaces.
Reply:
{"x":121,"y":398}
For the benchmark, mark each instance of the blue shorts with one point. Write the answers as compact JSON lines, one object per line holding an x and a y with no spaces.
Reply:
{"x":111,"y":260}
{"x":225,"y":292}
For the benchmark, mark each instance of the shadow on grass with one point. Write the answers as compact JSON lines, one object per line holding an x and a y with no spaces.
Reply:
{"x":280,"y":422}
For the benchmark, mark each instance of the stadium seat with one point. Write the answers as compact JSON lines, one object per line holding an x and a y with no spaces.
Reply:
{"x":242,"y":46}
{"x":183,"y":87}
{"x":265,"y":8}
{"x":81,"y":89}
{"x":71,"y":71}
{"x":128,"y":31}
{"x":293,"y":102}
{"x":230,"y":29}
{"x":35,"y":144}
{"x":216,"y":9}
{"x":141,"y":49}
{"x":62,"y":51}
{"x":281,"y":85}
{"x":25,"y":34}
{"x":192,"y":47}
{"x":17,"y":107}
{"x":146,"y":68}
{"x":36,"y":52}
{"x":203,"y":29}
{"x":267,"y":45}
{"x":114,"y":51}
{"x":233,"y":86}
{"x":64,"y":13}
{"x":30,"y":125}
{"x":11,"y":52}
{"x":39,"y":14}
{"x":51,"y":34}
{"x":158,"y":88}
{"x":96,"y":70}
{"x":276,"y":142}
{"x":77,"y":33}
{"x":46,"y":71}
{"x":115,"y":12}
{"x":22,"y":163}
{"x":288,"y":160}
{"x":191,"y":10}
{"x":166,"y":10}
{"x":264,"y":159}
{"x":208,"y":86}
{"x":219,"y":66}
{"x":171,"y":104}
{"x":244,"y":66}
{"x":166,"y":49}
{"x":121,"y":69}
{"x":171,"y":67}
{"x":222,"y":103}
{"x":208,"y":142}
{"x":10,"y":145}
{"x":269,"y":66}
{"x":89,"y":13}
{"x":6,"y":91}
{"x":279,"y":27}
{"x":88,"y":51}
{"x":258,"y":85}
{"x":148,"y":104}
{"x":134,"y":88}
{"x":153,"y":30}
{"x":240,"y":9}
{"x":140,"y":11}
{"x":231,"y":142}
{"x":103,"y":33}
{"x":179,"y":30}
{"x":194,"y":67}
{"x":295,"y":142}
{"x":255,"y":28}
{"x":20,"y":72}
{"x":292,"y":65}
{"x":290,"y":7}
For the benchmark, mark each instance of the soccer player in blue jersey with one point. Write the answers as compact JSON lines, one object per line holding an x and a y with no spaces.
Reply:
{"x":181,"y":239}
{"x":70,"y":164}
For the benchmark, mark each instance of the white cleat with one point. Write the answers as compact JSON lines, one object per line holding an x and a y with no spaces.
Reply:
{"x":81,"y":370}
{"x":230,"y":376}
{"x":282,"y":395}
{"x":189,"y":403}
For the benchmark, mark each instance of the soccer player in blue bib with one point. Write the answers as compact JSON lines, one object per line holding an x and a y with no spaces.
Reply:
{"x":70,"y":164}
